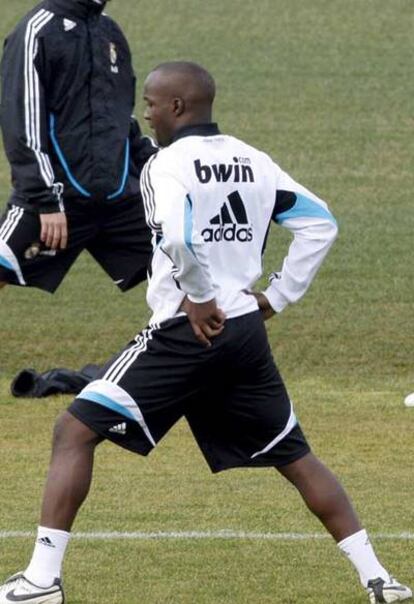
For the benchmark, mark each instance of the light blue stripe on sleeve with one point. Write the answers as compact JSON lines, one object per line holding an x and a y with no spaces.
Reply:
{"x":63,"y":161}
{"x":188,"y":224}
{"x":305,"y":208}
{"x":100,"y":399}
{"x":4,"y":262}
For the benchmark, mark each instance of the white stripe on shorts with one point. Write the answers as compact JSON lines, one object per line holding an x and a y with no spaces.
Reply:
{"x":12,"y":219}
{"x":7,"y":253}
{"x":118,"y":369}
{"x":291,"y":423}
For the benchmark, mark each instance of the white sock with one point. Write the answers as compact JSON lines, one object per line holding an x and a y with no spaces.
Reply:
{"x":46,"y":563}
{"x":359,"y":550}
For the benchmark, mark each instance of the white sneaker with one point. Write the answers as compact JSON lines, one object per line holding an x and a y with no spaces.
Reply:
{"x":18,"y":589}
{"x":383,"y":591}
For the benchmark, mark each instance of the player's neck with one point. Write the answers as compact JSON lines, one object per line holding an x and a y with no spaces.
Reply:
{"x":195,"y":129}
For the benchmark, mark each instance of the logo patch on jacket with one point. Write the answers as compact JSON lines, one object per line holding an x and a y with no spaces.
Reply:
{"x":113,"y":56}
{"x":68,"y":24}
{"x":231,"y":223}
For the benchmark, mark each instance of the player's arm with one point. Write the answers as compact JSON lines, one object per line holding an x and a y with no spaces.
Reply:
{"x":314,"y":230}
{"x":207,"y":320}
{"x":24,"y":122}
{"x":169,"y":206}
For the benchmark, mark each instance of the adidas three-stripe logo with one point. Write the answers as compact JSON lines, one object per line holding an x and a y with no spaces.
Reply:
{"x":231,"y":223}
{"x":119,"y":428}
{"x":46,"y":541}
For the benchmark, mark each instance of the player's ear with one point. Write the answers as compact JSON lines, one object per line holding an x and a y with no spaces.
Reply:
{"x":179,"y":106}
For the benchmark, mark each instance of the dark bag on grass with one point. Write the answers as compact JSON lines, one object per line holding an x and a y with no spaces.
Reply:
{"x":28,"y":383}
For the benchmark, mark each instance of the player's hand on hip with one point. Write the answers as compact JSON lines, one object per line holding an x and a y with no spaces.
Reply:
{"x":264,"y":304}
{"x":206,"y":319}
{"x":54,"y":230}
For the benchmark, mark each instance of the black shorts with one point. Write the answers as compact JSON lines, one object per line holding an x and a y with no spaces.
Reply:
{"x":231,"y":395}
{"x":115,"y":234}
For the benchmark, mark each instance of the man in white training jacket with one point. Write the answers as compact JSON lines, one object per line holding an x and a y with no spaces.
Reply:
{"x":209,"y":201}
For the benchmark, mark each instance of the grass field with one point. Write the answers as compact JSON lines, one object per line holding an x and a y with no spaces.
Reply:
{"x":326,"y":87}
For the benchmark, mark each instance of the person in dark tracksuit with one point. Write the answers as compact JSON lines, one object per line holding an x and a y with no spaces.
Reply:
{"x":75,"y":151}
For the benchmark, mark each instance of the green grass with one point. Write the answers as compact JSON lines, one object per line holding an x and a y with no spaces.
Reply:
{"x":326,"y":87}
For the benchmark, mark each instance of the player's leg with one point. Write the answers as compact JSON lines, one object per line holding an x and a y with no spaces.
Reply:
{"x":70,"y":472}
{"x":2,"y":284}
{"x":139,"y":395}
{"x":323,"y":494}
{"x":251,"y":423}
{"x":326,"y":499}
{"x":122,"y":245}
{"x":25,"y":260}
{"x":15,"y":225}
{"x":67,"y":486}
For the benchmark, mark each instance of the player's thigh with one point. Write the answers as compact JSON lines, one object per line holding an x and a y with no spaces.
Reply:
{"x":19,"y":244}
{"x":123,"y":245}
{"x":246,"y":417}
{"x":25,"y":260}
{"x":18,"y":230}
{"x":142,"y":392}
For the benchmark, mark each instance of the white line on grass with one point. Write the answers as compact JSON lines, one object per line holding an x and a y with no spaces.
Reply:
{"x":223,"y":534}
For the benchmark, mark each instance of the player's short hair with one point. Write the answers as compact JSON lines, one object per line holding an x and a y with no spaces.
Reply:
{"x":198,"y":74}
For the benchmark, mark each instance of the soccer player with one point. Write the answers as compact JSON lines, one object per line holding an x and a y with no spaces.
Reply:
{"x":75,"y":152}
{"x":210,"y":199}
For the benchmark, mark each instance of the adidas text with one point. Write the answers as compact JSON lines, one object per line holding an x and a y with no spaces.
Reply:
{"x":231,"y":223}
{"x":230,"y":233}
{"x":224,"y":172}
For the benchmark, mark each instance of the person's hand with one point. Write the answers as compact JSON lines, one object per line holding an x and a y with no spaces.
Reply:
{"x":206,"y":319}
{"x":54,"y":230}
{"x":264,"y":304}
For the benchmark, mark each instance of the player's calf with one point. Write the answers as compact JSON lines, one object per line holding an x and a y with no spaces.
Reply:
{"x":326,"y":498}
{"x":70,"y":472}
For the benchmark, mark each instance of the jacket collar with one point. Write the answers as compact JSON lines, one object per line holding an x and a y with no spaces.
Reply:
{"x":196,"y":130}
{"x":81,"y":9}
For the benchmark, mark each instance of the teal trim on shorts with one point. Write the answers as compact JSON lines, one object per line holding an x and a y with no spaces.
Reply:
{"x":103,"y":400}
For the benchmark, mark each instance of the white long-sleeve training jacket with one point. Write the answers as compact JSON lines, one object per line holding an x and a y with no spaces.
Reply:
{"x":210,"y":200}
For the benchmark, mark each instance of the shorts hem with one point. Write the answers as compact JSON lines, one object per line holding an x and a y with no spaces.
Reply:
{"x":143,"y":451}
{"x":9,"y":278}
{"x":139,"y":277}
{"x":265,"y":463}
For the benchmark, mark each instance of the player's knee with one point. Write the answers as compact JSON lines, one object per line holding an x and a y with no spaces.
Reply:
{"x":2,"y":284}
{"x":319,"y":488}
{"x":70,"y":433}
{"x":300,"y":470}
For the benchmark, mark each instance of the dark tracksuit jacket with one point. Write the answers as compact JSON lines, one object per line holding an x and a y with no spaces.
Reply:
{"x":68,"y":92}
